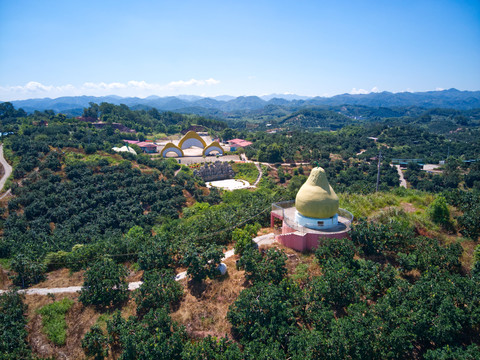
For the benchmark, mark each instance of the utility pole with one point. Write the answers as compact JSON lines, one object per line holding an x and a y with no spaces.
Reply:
{"x":378,"y":169}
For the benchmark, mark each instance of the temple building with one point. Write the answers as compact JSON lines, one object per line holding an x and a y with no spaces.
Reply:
{"x":313,"y":215}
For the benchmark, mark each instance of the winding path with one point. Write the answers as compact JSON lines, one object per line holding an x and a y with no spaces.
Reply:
{"x":260,"y":174}
{"x":260,"y":240}
{"x":6,"y":167}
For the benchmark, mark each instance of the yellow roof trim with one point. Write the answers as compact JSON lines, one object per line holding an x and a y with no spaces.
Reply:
{"x":213,"y":144}
{"x":171,"y":145}
{"x":191,"y":135}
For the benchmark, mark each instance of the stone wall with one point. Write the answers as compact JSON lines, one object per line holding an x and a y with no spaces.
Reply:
{"x":219,"y":170}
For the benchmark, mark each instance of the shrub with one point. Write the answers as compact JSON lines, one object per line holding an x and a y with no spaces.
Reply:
{"x":453,"y":352}
{"x":210,"y":348}
{"x":81,"y":255}
{"x":439,"y":213}
{"x":13,"y":332}
{"x":155,"y":336}
{"x":202,"y":262}
{"x":265,"y":312}
{"x":329,"y":250}
{"x":104,"y":284}
{"x":29,"y":272}
{"x":56,"y":260}
{"x":469,"y":223}
{"x":53,"y":320}
{"x":379,"y":238}
{"x":429,"y":255}
{"x":156,"y":254}
{"x":159,"y":289}
{"x":269,"y":267}
{"x":476,"y":254}
{"x":243,"y":237}
{"x":94,"y":343}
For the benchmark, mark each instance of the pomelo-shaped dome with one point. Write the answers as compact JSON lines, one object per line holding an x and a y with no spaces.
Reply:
{"x":316,"y":198}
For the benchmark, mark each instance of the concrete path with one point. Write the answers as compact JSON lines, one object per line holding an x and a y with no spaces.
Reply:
{"x":403,"y":182}
{"x":260,"y":240}
{"x":7,"y":168}
{"x":267,"y":239}
{"x":260,"y":174}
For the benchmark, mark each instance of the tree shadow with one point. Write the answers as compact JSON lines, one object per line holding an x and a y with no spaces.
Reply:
{"x":197,"y":288}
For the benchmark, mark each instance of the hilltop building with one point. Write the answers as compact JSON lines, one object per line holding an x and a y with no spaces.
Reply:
{"x":236,"y":144}
{"x":313,"y":215}
{"x":146,"y":146}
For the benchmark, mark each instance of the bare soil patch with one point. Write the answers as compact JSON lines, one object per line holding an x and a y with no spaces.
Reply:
{"x":134,"y":275}
{"x":205,"y":314}
{"x":61,"y":278}
{"x":407,"y":207}
{"x":79,"y":320}
{"x":5,"y":281}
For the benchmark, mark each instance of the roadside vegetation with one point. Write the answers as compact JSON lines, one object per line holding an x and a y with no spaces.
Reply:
{"x":245,"y":171}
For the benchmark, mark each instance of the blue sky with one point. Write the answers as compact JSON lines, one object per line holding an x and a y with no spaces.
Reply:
{"x":141,"y":48}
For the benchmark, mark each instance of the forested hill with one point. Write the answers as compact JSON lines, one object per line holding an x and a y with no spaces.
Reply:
{"x":451,"y":98}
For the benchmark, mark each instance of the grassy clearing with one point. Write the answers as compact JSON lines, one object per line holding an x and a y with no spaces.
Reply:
{"x":53,"y":320}
{"x":102,"y":320}
{"x":403,"y":205}
{"x":5,"y":263}
{"x":245,"y":171}
{"x":156,"y":136}
{"x":73,"y":157}
{"x":365,"y":205}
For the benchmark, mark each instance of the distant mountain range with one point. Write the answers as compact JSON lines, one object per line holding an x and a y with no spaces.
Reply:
{"x":225,"y":104}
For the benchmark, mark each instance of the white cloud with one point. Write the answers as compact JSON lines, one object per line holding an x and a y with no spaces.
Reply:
{"x":192,"y":82}
{"x":439,"y":89}
{"x":355,"y":91}
{"x":35,"y":89}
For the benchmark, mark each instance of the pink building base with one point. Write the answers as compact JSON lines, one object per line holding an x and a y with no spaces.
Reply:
{"x":305,"y":239}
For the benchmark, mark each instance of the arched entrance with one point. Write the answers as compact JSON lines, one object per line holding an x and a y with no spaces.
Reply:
{"x":172,"y":148}
{"x":213,"y":147}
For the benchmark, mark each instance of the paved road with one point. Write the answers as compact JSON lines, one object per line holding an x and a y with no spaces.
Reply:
{"x":6,"y":166}
{"x":260,"y":240}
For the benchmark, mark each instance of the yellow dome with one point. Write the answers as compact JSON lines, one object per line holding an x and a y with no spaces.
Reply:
{"x":316,"y":198}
